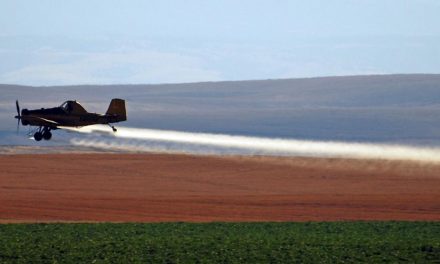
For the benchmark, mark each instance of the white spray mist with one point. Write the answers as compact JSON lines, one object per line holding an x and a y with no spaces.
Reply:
{"x":268,"y":146}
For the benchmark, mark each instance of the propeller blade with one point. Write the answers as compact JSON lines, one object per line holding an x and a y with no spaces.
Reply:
{"x":18,"y":116}
{"x":18,"y":108}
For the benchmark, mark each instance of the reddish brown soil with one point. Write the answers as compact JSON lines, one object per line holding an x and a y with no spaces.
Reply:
{"x":149,"y":187}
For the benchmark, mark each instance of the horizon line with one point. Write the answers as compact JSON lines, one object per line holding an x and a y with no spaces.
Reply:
{"x":229,"y":81}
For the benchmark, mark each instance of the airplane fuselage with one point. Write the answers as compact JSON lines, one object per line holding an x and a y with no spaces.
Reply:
{"x":61,"y":118}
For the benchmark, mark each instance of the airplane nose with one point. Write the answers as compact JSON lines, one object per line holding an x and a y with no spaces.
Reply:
{"x":24,"y":112}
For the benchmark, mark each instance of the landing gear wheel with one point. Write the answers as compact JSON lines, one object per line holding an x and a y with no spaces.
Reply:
{"x":47,"y":135}
{"x":38,"y":136}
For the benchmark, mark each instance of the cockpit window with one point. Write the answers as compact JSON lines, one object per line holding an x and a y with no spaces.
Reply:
{"x":72,"y":107}
{"x":66,"y":106}
{"x":63,"y":106}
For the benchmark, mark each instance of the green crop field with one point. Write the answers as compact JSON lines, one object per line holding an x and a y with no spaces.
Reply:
{"x":417,"y":242}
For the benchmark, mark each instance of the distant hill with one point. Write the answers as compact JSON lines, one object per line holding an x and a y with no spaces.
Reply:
{"x":376,"y":108}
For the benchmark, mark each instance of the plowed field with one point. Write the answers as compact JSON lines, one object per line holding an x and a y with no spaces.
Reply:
{"x":166,"y":187}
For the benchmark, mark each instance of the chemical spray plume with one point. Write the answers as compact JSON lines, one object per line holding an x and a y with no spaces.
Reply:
{"x":260,"y":145}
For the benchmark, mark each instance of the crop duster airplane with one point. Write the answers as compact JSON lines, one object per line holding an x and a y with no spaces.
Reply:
{"x":69,"y":114}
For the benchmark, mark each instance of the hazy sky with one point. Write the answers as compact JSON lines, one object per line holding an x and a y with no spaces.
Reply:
{"x":101,"y":42}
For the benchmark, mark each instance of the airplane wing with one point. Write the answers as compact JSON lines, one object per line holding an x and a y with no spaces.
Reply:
{"x":39,"y":121}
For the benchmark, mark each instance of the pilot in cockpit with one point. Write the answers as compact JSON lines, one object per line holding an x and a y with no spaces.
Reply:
{"x":67,"y":106}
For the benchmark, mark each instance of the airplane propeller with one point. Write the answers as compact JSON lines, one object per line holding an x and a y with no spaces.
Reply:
{"x":18,"y":116}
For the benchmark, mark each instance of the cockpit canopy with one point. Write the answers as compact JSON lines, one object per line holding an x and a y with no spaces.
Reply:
{"x":72,"y":107}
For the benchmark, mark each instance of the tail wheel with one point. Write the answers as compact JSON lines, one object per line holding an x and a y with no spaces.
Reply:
{"x":47,"y":135}
{"x":38,"y":136}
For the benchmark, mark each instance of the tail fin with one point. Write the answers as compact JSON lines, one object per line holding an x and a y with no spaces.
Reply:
{"x":117,"y":108}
